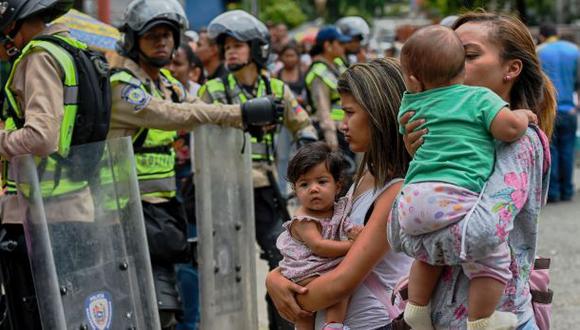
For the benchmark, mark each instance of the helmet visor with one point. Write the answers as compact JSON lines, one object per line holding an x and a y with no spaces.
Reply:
{"x":239,"y":25}
{"x":141,"y":12}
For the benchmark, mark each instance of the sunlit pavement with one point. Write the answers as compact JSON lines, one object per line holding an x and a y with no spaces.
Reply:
{"x":560,"y":240}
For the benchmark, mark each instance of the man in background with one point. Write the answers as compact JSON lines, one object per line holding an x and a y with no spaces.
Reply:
{"x":560,"y":61}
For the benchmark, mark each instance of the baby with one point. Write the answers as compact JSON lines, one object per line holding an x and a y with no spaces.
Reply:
{"x":319,"y":233}
{"x":450,"y":169}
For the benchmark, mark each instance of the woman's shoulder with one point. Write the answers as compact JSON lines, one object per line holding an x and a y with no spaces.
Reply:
{"x":389,"y":184}
{"x":534,"y":146}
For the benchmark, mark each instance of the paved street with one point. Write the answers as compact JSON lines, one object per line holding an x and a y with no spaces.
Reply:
{"x":559,"y":239}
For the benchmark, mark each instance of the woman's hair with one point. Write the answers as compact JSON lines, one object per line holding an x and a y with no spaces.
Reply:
{"x":378,"y":87}
{"x":313,"y":154}
{"x":532,"y":89}
{"x":290,"y":46}
{"x":192,"y":59}
{"x":317,"y":49}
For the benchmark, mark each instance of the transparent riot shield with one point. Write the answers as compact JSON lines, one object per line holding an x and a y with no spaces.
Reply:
{"x":225,"y":221}
{"x":86,"y":238}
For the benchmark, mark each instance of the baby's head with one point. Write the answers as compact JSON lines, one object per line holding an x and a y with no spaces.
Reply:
{"x":433,"y":57}
{"x":316,"y":174}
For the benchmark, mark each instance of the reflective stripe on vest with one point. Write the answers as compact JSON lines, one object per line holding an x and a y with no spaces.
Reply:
{"x":50,"y":185}
{"x":216,"y":89}
{"x":340,"y":64}
{"x":321,"y":70}
{"x":156,"y":162}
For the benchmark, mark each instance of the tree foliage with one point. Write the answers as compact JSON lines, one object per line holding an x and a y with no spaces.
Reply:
{"x":288,"y":12}
{"x":294,"y":12}
{"x":530,"y":11}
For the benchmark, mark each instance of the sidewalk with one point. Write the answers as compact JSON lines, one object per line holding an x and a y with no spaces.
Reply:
{"x":558,"y":239}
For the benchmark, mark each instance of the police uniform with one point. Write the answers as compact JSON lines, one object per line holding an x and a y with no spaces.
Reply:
{"x":321,"y":84}
{"x":36,"y":92}
{"x":151,"y":113}
{"x":342,"y":63}
{"x":36,"y":84}
{"x":228,"y":90}
{"x":134,"y":108}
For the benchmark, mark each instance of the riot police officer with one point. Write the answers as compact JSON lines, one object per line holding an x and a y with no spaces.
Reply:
{"x":245,"y":43}
{"x":321,"y":87}
{"x":358,"y":30}
{"x":35,"y":117}
{"x":150,"y":105}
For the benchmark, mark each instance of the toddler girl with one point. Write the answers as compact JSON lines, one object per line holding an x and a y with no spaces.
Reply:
{"x":319,"y":233}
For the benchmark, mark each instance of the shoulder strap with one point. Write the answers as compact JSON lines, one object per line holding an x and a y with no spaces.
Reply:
{"x":125,"y":76}
{"x":225,"y":80}
{"x":268,"y":84}
{"x":377,"y":194}
{"x":175,"y":85}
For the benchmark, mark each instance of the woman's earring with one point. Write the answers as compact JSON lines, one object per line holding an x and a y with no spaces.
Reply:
{"x":507,"y":78}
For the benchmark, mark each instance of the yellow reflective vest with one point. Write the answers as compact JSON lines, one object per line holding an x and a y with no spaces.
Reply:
{"x":321,"y":70}
{"x":154,"y":154}
{"x":54,"y":180}
{"x":227,"y":91}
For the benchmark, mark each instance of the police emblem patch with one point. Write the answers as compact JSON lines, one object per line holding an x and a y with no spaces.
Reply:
{"x":135,"y":96}
{"x":99,"y":310}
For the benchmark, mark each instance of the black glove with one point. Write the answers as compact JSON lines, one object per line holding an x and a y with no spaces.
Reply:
{"x":256,"y":131}
{"x":262,"y":111}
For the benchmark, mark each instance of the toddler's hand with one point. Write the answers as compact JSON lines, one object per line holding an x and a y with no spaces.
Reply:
{"x":353,"y":233}
{"x":532,"y":118}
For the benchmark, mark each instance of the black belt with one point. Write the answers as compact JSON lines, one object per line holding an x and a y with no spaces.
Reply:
{"x":153,"y":150}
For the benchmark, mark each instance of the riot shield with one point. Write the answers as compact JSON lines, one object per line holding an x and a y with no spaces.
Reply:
{"x":225,"y":220}
{"x":86,"y":238}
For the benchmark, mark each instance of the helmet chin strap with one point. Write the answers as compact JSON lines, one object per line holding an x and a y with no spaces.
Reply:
{"x":155,"y":62}
{"x":8,"y":43}
{"x":11,"y":50}
{"x":238,"y":66}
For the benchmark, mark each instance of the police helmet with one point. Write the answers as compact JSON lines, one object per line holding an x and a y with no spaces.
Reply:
{"x":142,"y":15}
{"x":354,"y":27}
{"x":244,"y":27}
{"x":17,"y":10}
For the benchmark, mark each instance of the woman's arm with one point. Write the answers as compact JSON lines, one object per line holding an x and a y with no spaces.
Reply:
{"x":283,"y":293}
{"x":492,"y":220}
{"x":309,"y":233}
{"x":370,"y":246}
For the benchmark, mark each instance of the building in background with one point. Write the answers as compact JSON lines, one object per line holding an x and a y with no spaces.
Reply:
{"x":199,"y":12}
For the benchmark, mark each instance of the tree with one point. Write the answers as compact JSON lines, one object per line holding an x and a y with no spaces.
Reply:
{"x":287,"y":12}
{"x":529,"y":11}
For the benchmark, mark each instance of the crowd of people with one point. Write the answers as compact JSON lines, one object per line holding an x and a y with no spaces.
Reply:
{"x":433,"y":164}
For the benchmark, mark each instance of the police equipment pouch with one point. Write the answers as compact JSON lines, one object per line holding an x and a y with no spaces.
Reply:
{"x":166,"y":230}
{"x":94,"y":105}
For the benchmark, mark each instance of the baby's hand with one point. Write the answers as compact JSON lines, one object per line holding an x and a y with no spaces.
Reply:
{"x":353,"y":233}
{"x":532,"y":118}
